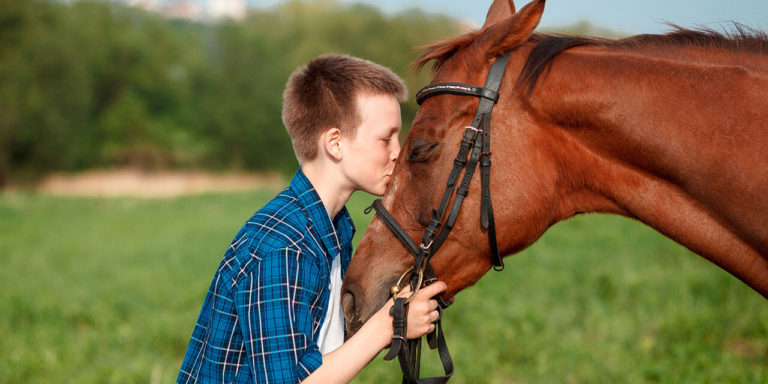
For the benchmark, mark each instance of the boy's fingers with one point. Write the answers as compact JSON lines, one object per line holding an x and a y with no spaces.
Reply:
{"x":404,"y":291}
{"x":434,"y":316}
{"x":428,"y":291}
{"x":432,"y":290}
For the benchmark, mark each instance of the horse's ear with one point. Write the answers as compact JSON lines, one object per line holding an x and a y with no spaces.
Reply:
{"x":512,"y":31}
{"x":500,"y":10}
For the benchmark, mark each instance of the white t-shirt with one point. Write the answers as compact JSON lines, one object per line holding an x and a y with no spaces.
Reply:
{"x":332,"y":331}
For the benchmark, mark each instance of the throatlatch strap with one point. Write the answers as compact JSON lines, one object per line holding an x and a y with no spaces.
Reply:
{"x":486,"y":205}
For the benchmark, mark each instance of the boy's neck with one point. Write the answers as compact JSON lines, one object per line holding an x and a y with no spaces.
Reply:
{"x":329,"y":184}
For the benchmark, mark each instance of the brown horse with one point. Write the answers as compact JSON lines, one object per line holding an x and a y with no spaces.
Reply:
{"x":671,"y":130}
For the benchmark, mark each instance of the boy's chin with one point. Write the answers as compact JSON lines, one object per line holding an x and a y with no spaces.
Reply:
{"x":377,"y":191}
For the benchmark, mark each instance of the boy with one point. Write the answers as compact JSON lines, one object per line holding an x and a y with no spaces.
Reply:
{"x":273,"y":311}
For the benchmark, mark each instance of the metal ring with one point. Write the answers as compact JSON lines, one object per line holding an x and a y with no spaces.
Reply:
{"x":418,"y":285}
{"x":395,"y":289}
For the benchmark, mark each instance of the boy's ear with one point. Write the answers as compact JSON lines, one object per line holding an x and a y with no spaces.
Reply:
{"x":332,"y":143}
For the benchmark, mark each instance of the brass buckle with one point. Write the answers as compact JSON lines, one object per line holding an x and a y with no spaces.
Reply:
{"x":395,"y":289}
{"x":475,"y":131}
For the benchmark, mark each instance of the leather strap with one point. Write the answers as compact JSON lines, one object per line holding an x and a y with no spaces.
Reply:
{"x":400,"y":325}
{"x":476,"y":145}
{"x":456,"y":89}
{"x":396,"y":229}
{"x":408,"y":352}
{"x":467,"y":142}
{"x":461,"y":193}
{"x":480,"y":125}
{"x":486,"y":205}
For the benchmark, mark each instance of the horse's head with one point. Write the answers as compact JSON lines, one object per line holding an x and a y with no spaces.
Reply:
{"x":426,"y":159}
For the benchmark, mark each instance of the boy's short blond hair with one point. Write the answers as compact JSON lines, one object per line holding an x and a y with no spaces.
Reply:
{"x":322,"y":94}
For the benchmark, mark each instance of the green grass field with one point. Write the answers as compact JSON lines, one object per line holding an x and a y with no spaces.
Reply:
{"x":108,"y":291}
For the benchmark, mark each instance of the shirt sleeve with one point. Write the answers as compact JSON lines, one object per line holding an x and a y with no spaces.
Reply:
{"x":273,"y":304}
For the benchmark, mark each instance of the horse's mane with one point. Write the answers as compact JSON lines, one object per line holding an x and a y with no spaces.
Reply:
{"x":548,"y":46}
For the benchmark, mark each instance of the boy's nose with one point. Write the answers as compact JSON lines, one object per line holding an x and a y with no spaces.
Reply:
{"x":395,"y":150}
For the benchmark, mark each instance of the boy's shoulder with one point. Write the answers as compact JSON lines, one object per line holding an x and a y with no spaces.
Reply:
{"x":281,"y":223}
{"x":279,"y":226}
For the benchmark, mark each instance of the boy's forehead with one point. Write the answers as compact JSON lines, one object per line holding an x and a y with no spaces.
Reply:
{"x":362,"y":96}
{"x":378,"y":113}
{"x":377,"y":103}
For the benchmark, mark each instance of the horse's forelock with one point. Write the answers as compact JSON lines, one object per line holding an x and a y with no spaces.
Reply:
{"x":443,"y":50}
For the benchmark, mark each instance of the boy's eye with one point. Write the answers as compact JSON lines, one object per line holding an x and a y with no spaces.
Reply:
{"x":422,"y":152}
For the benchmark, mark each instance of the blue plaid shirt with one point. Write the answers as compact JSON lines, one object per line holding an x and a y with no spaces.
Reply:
{"x":265,"y":307}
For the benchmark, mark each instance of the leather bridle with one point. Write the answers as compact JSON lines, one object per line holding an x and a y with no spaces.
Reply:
{"x":475,"y":148}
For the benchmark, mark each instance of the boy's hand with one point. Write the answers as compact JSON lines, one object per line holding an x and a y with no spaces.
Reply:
{"x":422,"y":310}
{"x":422,"y":313}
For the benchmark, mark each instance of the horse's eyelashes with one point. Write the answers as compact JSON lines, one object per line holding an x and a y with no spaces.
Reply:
{"x":422,"y":152}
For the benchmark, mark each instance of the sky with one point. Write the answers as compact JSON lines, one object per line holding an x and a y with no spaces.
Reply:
{"x":624,"y":16}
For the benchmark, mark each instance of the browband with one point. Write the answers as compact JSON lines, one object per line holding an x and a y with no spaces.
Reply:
{"x":455,"y":89}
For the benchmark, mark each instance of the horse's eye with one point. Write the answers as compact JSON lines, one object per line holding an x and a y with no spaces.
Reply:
{"x":422,"y":152}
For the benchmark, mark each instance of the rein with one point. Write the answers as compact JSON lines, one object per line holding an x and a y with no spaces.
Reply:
{"x":474,"y":150}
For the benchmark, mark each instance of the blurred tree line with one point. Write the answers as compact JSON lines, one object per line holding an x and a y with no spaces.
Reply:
{"x":95,"y":84}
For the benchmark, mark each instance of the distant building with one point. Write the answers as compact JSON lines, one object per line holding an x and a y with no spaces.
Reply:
{"x":225,"y":9}
{"x":149,"y":5}
{"x":195,"y":10}
{"x":187,"y":10}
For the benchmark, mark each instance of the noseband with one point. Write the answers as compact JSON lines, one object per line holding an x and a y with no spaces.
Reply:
{"x":475,"y":148}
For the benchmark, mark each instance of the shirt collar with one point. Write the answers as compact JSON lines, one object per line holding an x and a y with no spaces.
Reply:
{"x":334,"y":234}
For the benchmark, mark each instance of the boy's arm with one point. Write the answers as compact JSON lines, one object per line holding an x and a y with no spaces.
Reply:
{"x":341,"y":365}
{"x":273,"y":304}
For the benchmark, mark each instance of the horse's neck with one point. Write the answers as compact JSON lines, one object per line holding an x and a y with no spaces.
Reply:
{"x":676,"y":143}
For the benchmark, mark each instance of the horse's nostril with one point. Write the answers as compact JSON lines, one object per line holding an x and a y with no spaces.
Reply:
{"x":348,"y":305}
